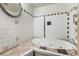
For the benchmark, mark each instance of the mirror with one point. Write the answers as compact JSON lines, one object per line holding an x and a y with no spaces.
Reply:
{"x":12,"y":9}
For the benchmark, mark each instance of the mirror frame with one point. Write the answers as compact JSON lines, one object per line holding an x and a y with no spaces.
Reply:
{"x":10,"y":13}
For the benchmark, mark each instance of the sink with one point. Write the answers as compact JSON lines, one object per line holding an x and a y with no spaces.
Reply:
{"x":40,"y":52}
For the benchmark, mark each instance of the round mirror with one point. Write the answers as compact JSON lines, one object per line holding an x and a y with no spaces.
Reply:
{"x":12,"y":9}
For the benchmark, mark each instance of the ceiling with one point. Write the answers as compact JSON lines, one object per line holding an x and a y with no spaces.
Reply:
{"x":35,"y":5}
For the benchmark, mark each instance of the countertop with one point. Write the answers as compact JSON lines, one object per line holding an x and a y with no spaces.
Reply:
{"x":25,"y":46}
{"x":18,"y":50}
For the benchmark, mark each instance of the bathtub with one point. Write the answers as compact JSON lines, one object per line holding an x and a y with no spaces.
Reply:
{"x":53,"y":43}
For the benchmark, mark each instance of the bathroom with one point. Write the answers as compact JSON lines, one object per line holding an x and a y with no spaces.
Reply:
{"x":39,"y":29}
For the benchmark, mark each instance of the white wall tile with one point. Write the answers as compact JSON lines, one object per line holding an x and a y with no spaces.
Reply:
{"x":9,"y":31}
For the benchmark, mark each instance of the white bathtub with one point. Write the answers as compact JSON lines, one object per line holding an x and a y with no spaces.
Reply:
{"x":53,"y":43}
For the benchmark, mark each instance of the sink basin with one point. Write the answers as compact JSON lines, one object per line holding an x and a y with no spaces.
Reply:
{"x":40,"y":52}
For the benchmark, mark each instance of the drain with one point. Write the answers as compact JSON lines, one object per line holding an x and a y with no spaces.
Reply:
{"x":62,"y":51}
{"x":44,"y":48}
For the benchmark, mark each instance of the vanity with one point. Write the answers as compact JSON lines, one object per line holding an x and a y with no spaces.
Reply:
{"x":28,"y":48}
{"x":40,"y":52}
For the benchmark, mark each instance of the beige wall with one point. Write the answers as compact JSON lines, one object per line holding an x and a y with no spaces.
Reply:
{"x":78,"y":27}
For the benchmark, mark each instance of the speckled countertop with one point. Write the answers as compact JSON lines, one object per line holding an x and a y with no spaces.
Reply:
{"x":18,"y":50}
{"x":25,"y":46}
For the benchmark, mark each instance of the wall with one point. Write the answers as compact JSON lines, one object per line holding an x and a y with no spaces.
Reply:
{"x":77,"y":27}
{"x":12,"y":34}
{"x":39,"y":27}
{"x":28,"y":7}
{"x":72,"y":26}
{"x":53,"y":8}
{"x":59,"y":28}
